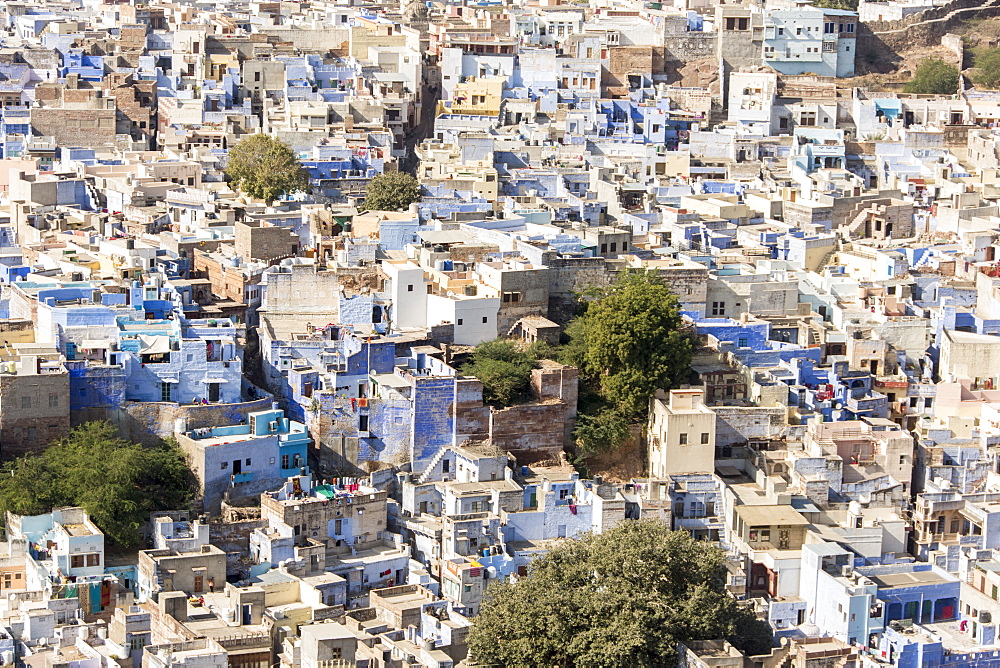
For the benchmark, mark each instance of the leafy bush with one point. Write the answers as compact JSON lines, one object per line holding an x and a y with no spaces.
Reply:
{"x":987,"y":63}
{"x":934,"y":77}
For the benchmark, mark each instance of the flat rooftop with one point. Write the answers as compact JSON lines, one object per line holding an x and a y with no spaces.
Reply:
{"x":771,"y":515}
{"x":905,"y":580}
{"x":78,"y":530}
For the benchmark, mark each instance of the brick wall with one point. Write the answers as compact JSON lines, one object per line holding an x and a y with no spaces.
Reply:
{"x":531,"y":432}
{"x":265,"y":243}
{"x":76,"y":127}
{"x":34,"y":412}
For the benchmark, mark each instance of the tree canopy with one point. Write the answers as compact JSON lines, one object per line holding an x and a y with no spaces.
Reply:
{"x":265,"y":168}
{"x":504,"y":367}
{"x":629,"y":340}
{"x":117,"y":482}
{"x":625,"y":597}
{"x":850,"y":5}
{"x":987,"y":73}
{"x":391,"y":191}
{"x":934,"y":77}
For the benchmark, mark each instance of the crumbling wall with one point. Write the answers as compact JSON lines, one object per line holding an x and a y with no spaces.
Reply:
{"x":531,"y":432}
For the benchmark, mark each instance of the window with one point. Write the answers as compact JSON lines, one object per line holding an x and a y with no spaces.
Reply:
{"x":409,"y":288}
{"x":847,"y":27}
{"x":53,"y":400}
{"x":765,"y":535}
{"x":362,"y":423}
{"x":718,"y":308}
{"x":798,"y":31}
{"x":94,"y":559}
{"x":76,"y":561}
{"x":247,"y":462}
{"x":682,"y":439}
{"x":459,"y":323}
{"x":704,"y":438}
{"x":781,"y":31}
{"x":25,"y":402}
{"x":485,"y":319}
{"x":165,"y":389}
{"x":829,"y":28}
{"x":286,"y":461}
{"x":224,"y":465}
{"x":807,"y":118}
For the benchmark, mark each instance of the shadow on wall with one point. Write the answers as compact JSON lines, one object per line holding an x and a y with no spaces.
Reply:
{"x":151,"y":422}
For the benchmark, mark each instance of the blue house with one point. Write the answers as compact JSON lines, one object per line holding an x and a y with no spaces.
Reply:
{"x":244,"y":460}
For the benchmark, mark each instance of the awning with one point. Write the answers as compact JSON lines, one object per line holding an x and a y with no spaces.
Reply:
{"x":170,"y":380}
{"x":95,"y":344}
{"x":153,"y":345}
{"x":215,"y":380}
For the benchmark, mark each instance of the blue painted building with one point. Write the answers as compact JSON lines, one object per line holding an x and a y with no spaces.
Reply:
{"x":244,"y":460}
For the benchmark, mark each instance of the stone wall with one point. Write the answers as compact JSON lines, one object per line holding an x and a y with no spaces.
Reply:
{"x":233,"y":538}
{"x":76,"y":127}
{"x":531,"y":432}
{"x":266,"y":243}
{"x":34,"y":412}
{"x":880,"y":42}
{"x":735,"y":424}
{"x":569,"y":276}
{"x":149,"y":421}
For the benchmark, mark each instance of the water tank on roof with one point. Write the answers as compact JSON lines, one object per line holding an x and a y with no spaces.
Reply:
{"x":439,"y":265}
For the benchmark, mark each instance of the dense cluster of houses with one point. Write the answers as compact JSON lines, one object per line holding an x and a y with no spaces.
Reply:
{"x":833,"y":248}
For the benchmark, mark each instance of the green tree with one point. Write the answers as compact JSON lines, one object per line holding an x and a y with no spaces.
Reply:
{"x":934,"y":77}
{"x":504,"y":369}
{"x":987,"y":74}
{"x":265,"y":168}
{"x":629,"y":339}
{"x":849,"y":5}
{"x":117,"y":482}
{"x":622,"y":598}
{"x":605,"y":429}
{"x":391,"y":191}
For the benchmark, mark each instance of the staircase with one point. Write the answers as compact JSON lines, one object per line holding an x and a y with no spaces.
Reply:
{"x":438,"y":456}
